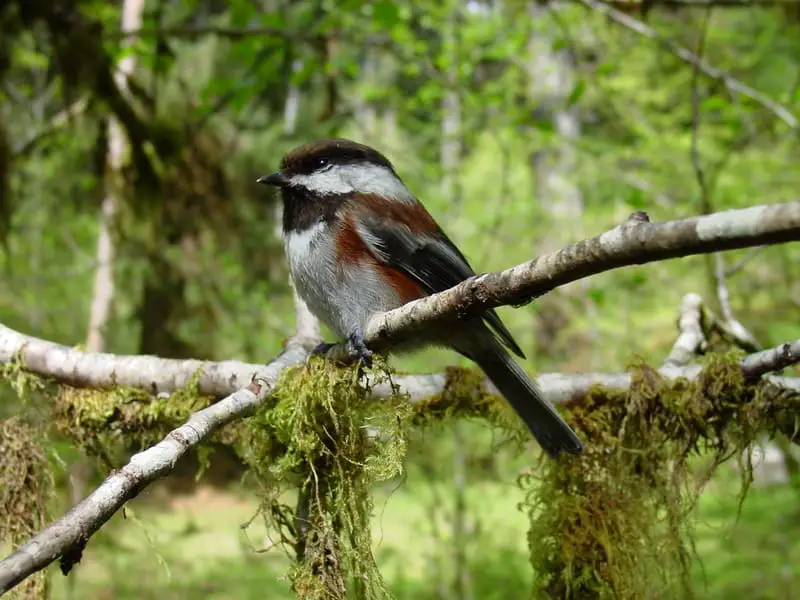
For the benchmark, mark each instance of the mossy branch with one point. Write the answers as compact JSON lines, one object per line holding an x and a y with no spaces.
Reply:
{"x":634,"y":242}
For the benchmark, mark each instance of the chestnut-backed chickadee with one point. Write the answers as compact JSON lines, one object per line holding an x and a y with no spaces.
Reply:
{"x":359,"y":243}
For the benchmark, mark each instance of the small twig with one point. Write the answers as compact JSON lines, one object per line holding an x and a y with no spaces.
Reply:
{"x":774,"y":359}
{"x":57,"y":122}
{"x":730,"y":327}
{"x":747,"y":258}
{"x":691,"y":338}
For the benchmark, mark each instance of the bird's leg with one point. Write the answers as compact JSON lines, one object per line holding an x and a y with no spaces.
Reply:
{"x":322,"y":349}
{"x":358,"y":350}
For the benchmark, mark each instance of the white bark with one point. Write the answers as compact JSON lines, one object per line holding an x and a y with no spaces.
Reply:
{"x":691,"y":338}
{"x":103,"y":286}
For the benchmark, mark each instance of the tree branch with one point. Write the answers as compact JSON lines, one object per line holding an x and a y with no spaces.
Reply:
{"x":636,"y":241}
{"x":780,"y":111}
{"x":67,"y":537}
{"x":691,"y":338}
{"x":774,"y":359}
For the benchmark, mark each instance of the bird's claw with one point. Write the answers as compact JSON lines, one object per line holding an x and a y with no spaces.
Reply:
{"x":355,"y":347}
{"x":358,"y":350}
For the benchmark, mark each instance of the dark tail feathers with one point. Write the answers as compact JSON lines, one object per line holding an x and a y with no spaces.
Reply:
{"x":546,"y":425}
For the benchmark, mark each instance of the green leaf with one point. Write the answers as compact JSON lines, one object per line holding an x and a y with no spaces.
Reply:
{"x":597,"y":295}
{"x":386,"y":14}
{"x":604,"y":68}
{"x":576,"y":92}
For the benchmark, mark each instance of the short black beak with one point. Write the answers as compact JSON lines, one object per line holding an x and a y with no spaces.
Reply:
{"x":277,"y":179}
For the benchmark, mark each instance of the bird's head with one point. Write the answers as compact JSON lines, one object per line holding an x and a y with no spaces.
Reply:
{"x":335,"y":167}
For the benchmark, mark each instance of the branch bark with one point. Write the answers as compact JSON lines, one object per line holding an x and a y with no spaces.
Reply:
{"x":691,"y":337}
{"x":67,"y":537}
{"x":635,"y":242}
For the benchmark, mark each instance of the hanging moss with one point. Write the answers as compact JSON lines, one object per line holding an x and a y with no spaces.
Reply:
{"x":26,"y":485}
{"x":617,"y":521}
{"x":21,"y":381}
{"x":465,"y":396}
{"x":101,"y":420}
{"x":328,"y":438}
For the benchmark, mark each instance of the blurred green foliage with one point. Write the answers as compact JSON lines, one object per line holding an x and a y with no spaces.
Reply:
{"x":223,"y":89}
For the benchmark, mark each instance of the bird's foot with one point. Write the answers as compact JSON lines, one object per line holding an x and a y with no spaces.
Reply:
{"x":358,"y":350}
{"x":355,"y":350}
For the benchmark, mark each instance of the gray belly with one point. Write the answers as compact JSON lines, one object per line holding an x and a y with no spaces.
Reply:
{"x":343,"y":299}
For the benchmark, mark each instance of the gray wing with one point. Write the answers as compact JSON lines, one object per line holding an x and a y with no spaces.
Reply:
{"x":432,"y":260}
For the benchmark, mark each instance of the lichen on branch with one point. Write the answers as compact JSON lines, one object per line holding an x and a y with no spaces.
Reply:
{"x":617,"y":521}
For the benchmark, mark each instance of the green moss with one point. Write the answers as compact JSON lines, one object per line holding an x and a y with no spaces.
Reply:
{"x":26,"y":484}
{"x":465,"y":396}
{"x":617,"y":521}
{"x":21,"y":381}
{"x":327,"y":437}
{"x":100,"y":420}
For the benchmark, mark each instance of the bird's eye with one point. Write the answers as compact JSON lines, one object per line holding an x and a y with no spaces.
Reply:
{"x":322,"y":162}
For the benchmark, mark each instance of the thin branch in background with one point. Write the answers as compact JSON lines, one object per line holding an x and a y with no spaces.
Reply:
{"x":733,"y":270}
{"x":642,"y":185}
{"x":221,"y":102}
{"x":195,"y":31}
{"x":629,"y":4}
{"x":691,"y":337}
{"x":61,"y":119}
{"x":780,"y":111}
{"x":705,"y":199}
{"x":730,"y":325}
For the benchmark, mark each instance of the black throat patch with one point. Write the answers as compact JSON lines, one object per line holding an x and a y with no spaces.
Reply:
{"x":303,"y":209}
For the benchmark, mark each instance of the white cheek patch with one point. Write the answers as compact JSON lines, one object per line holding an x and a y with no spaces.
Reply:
{"x":348,"y":179}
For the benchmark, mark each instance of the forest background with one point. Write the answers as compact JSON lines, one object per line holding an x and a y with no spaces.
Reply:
{"x":522,"y":126}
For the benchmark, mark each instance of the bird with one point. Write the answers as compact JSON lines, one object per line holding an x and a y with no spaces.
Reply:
{"x":358,"y":243}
